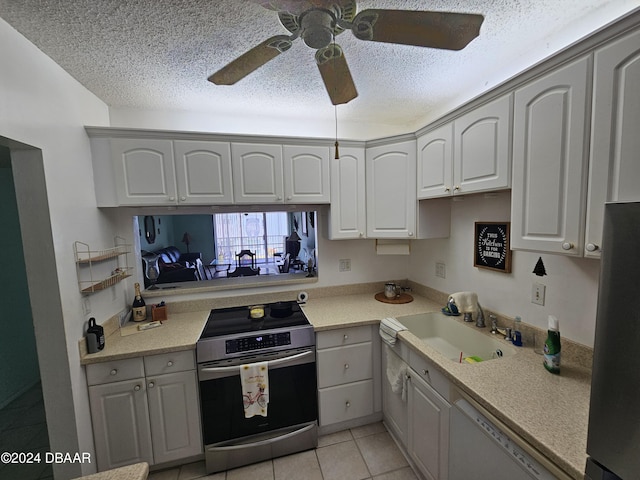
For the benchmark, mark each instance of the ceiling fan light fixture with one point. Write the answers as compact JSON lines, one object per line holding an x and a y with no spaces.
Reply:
{"x":317,"y":28}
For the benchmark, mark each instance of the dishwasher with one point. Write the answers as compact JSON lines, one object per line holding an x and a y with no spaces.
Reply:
{"x":482,"y":447}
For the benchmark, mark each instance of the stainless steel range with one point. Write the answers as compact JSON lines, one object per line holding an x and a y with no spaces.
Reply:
{"x":241,"y":337}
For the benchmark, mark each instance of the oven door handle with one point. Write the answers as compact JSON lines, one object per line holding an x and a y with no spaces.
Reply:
{"x":236,"y":368}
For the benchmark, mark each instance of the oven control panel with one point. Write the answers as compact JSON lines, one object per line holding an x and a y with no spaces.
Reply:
{"x":257,"y":342}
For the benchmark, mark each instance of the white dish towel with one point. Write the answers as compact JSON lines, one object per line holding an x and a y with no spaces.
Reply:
{"x":467,"y":302}
{"x":389,"y":328}
{"x":254,"y":378}
{"x":397,"y":374}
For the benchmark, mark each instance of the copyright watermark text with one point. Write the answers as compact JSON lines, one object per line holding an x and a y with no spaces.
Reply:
{"x":45,"y":457}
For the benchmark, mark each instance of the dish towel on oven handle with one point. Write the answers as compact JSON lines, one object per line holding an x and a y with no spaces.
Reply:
{"x":254,"y":378}
{"x":389,"y":328}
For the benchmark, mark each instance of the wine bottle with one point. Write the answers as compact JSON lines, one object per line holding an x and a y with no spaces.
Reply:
{"x":139,"y":307}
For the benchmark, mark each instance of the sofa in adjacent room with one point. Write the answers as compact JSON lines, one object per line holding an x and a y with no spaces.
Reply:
{"x":173,"y":265}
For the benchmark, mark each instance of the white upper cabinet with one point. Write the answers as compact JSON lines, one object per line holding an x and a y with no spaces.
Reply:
{"x":614,"y":167}
{"x":306,"y":174}
{"x":143,"y":170}
{"x":156,"y":171}
{"x":257,"y":173}
{"x":472,"y":154}
{"x":203,"y":172}
{"x":391,"y":194}
{"x":347,"y":215}
{"x":550,"y":161}
{"x":482,"y":147}
{"x":435,"y":162}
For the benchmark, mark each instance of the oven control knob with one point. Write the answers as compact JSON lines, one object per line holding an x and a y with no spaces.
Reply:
{"x":169,"y":363}
{"x":346,"y":366}
{"x":151,"y":384}
{"x":137,"y":388}
{"x":113,"y":372}
{"x":348,"y":404}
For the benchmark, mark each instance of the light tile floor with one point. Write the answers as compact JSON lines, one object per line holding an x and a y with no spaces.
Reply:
{"x":362,"y":453}
{"x":23,"y":428}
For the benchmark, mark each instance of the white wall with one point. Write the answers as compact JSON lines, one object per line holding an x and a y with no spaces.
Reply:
{"x":571,"y":283}
{"x":42,"y":106}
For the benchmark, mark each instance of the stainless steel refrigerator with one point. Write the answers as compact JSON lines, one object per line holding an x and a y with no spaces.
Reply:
{"x":613,"y":443}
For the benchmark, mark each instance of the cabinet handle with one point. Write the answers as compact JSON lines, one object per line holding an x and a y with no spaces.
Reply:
{"x":172,"y":199}
{"x":346,"y":337}
{"x":346,"y":366}
{"x":411,"y":234}
{"x":567,"y":246}
{"x":137,"y":388}
{"x":169,"y":363}
{"x":456,"y":188}
{"x":278,"y":197}
{"x":151,"y":384}
{"x":113,"y":372}
{"x":289,"y":197}
{"x":447,"y":189}
{"x":592,"y":247}
{"x":362,"y":234}
{"x":425,"y":372}
{"x":347,"y":404}
{"x":182,"y":199}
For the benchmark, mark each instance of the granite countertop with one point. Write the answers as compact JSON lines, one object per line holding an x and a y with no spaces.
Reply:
{"x":549,"y":411}
{"x":180,"y":332}
{"x":137,"y":471}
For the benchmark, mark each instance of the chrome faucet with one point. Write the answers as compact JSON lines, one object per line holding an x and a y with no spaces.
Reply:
{"x":502,"y":331}
{"x":480,"y":319}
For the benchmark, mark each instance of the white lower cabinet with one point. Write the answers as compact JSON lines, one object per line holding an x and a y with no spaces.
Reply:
{"x":145,"y":410}
{"x":420,"y":420}
{"x":428,"y":432}
{"x":346,"y":379}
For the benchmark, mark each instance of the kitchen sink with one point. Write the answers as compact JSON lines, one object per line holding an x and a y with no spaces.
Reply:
{"x":455,"y":340}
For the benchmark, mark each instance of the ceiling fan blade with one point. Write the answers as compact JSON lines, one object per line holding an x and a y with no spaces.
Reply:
{"x":451,"y":31}
{"x":335,"y":74}
{"x":251,"y":60}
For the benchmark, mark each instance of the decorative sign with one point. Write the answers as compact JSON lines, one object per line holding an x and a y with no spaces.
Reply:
{"x":491,"y":246}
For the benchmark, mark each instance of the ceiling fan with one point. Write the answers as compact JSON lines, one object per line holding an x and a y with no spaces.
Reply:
{"x":318,"y":22}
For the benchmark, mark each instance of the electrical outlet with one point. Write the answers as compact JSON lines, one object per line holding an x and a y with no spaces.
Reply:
{"x":537,"y":293}
{"x":441,"y":270}
{"x":86,"y":306}
{"x":344,"y":265}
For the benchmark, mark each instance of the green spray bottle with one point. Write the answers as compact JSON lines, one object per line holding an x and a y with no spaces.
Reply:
{"x":552,"y":346}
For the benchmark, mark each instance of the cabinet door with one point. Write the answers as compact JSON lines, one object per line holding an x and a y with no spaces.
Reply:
{"x":428,"y":442}
{"x":306,"y":174}
{"x":347,"y":215}
{"x":257,"y":173}
{"x":550,"y":161}
{"x":614,"y":167}
{"x":174,"y":415}
{"x":144,"y":172}
{"x":391,"y":194}
{"x":482,"y":148}
{"x":435,"y":163}
{"x":120,"y":418}
{"x":203,"y":172}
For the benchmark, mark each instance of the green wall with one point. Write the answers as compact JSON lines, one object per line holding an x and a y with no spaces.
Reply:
{"x":18,"y":357}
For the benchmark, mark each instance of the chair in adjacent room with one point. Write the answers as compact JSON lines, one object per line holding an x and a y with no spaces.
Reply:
{"x":245,"y":265}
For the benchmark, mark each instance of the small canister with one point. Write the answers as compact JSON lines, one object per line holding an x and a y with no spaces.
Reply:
{"x":95,"y":337}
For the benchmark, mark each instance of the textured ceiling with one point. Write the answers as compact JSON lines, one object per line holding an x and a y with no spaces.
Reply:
{"x":157,"y":55}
